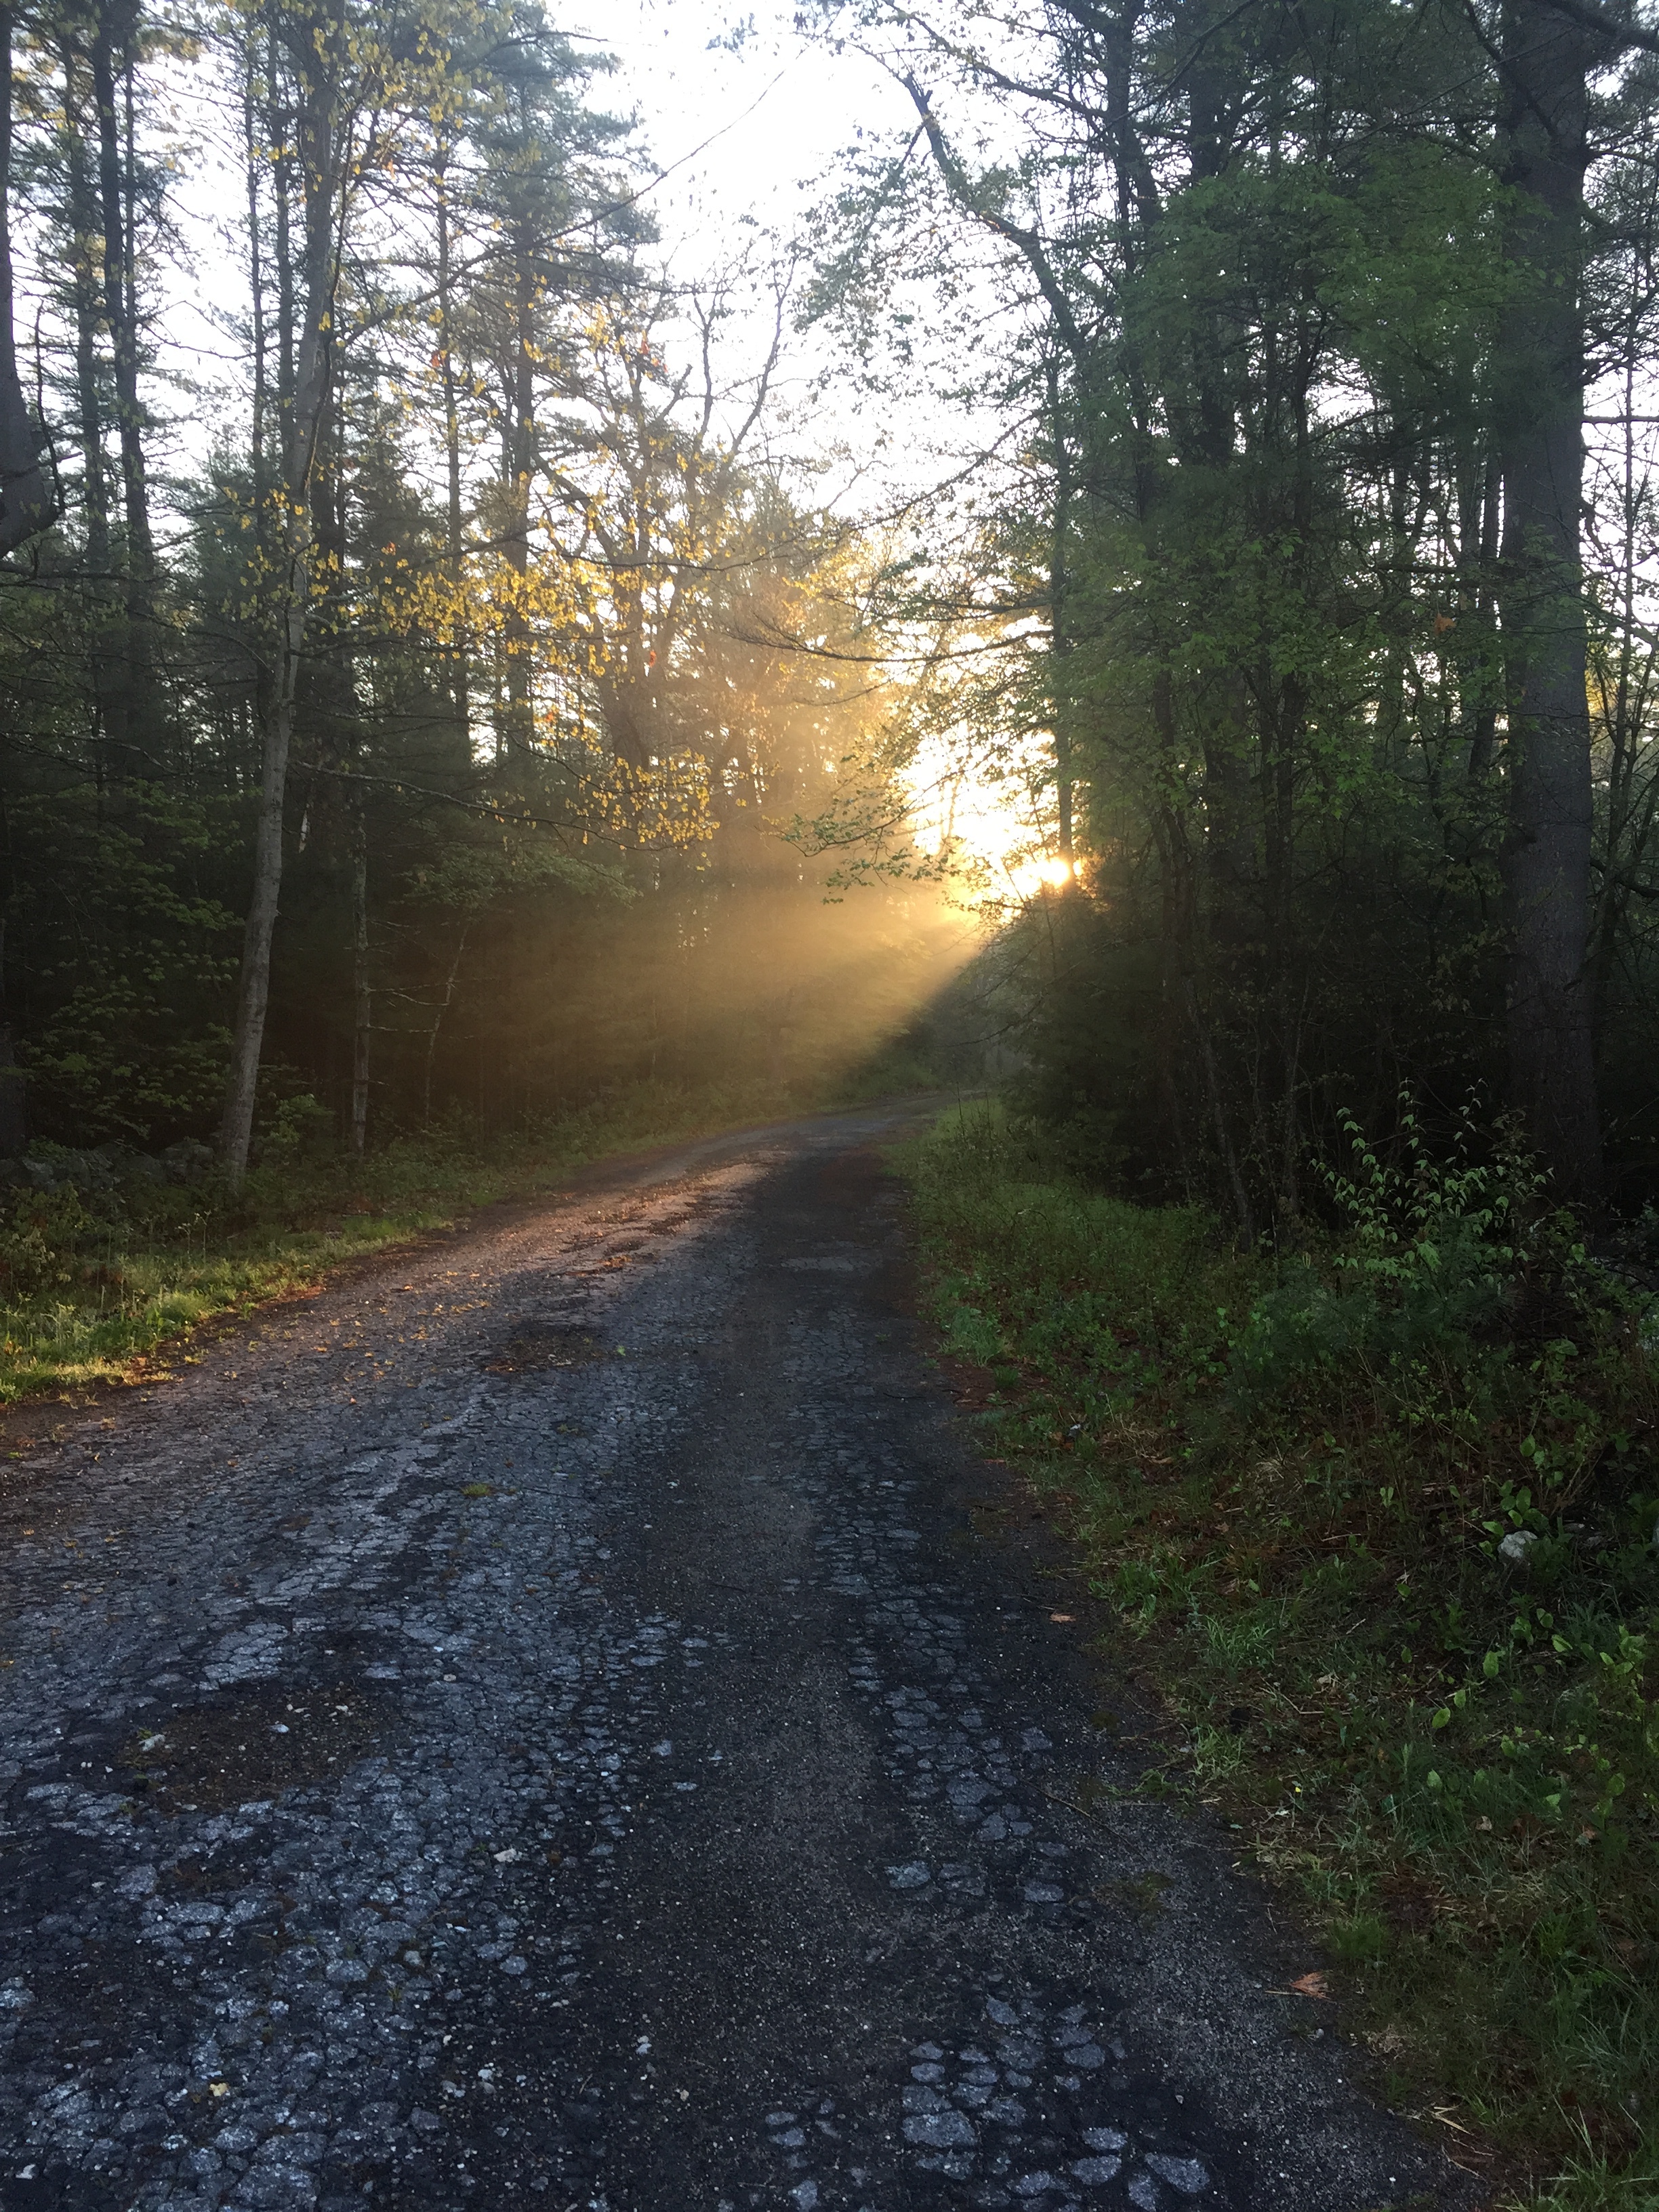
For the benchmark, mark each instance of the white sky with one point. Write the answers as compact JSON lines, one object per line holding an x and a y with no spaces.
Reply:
{"x":752,"y":140}
{"x":768,"y":119}
{"x":745,"y":119}
{"x":747,"y":137}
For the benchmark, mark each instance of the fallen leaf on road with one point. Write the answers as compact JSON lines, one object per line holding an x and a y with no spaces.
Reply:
{"x":1060,"y":1616}
{"x":1311,"y":1985}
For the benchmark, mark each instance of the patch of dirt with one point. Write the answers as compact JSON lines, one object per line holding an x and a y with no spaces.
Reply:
{"x":254,"y":1744}
{"x":553,"y":1347}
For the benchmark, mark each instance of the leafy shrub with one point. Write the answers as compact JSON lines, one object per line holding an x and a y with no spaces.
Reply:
{"x":40,"y":1236}
{"x":1442,"y":1259}
{"x":299,"y":1128}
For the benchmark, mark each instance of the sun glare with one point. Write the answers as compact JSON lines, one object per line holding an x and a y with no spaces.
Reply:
{"x":999,"y":827}
{"x":1029,"y":877}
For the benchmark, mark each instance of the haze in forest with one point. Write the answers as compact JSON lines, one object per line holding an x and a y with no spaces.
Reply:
{"x":440,"y":471}
{"x":546,"y":555}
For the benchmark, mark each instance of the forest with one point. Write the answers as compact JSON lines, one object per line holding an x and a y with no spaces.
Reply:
{"x":413,"y":659}
{"x":432,"y":642}
{"x":1137,"y":602}
{"x":1331,"y":331}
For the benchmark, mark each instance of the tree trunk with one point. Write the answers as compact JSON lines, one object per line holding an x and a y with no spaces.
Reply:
{"x":362,"y":999}
{"x":254,"y":162}
{"x":1479,"y":528}
{"x":320,"y":139}
{"x":1059,"y":705}
{"x":120,"y":306}
{"x":1547,"y":852}
{"x":280,"y":124}
{"x":517,"y":725}
{"x":109,"y":691}
{"x":439,"y":1012}
{"x":27,"y":506}
{"x":460,"y":679}
{"x":94,"y":493}
{"x":447,"y":359}
{"x":14,"y":1099}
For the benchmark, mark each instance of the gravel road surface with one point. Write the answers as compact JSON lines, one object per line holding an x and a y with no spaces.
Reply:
{"x":535,"y":1724}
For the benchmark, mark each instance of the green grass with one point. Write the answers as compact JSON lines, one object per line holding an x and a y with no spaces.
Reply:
{"x":1294,"y":1506}
{"x":101,"y":1285}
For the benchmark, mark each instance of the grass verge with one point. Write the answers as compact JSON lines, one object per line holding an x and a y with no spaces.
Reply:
{"x":96,"y":1283}
{"x":1379,"y":1525}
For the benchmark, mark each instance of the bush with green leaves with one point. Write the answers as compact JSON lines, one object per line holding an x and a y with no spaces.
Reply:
{"x":1444,"y":1257}
{"x":42,"y":1236}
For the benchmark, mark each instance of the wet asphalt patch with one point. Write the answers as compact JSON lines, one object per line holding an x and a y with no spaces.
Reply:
{"x":590,"y":1745}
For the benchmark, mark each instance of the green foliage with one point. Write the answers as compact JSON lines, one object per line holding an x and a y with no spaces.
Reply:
{"x":41,"y":1245}
{"x":297,"y":1126}
{"x":1369,"y":1499}
{"x":1431,"y":1253}
{"x":118,"y":963}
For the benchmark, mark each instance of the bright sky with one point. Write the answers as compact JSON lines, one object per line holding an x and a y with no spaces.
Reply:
{"x":746,"y":122}
{"x":744,"y":117}
{"x":749,"y":119}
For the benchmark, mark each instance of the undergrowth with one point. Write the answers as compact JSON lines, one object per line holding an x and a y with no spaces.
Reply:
{"x":1380,"y":1522}
{"x":95,"y":1282}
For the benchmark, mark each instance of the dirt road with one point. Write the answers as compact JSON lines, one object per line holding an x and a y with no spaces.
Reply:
{"x":532,"y":1724}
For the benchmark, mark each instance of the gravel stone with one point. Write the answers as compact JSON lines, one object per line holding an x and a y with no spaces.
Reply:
{"x":941,"y":2131}
{"x":1185,"y":2174}
{"x":1095,"y":2173}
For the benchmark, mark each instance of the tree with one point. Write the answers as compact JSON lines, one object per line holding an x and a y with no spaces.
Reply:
{"x":1546,"y":52}
{"x":1305,"y":363}
{"x":27,"y":506}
